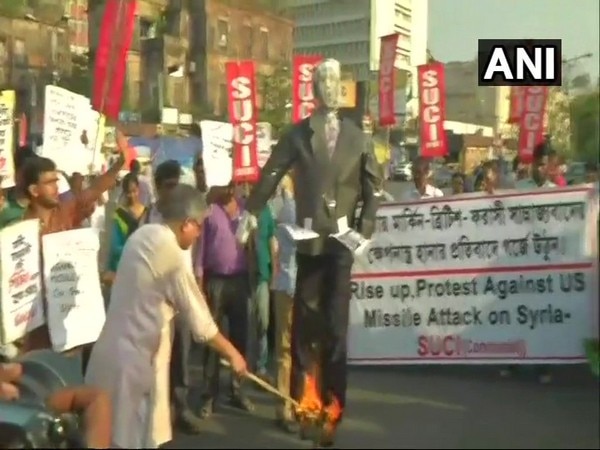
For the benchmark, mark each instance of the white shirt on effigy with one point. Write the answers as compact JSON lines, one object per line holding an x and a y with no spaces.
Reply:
{"x":430,"y":192}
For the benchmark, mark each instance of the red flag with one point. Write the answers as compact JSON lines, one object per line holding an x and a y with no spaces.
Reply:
{"x":116,"y":33}
{"x":516,"y":104}
{"x":241,"y":91}
{"x":532,"y":121}
{"x":432,"y":109}
{"x":303,"y":100}
{"x":387,"y":61}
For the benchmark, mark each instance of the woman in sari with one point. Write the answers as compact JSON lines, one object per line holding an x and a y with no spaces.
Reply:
{"x":126,"y":220}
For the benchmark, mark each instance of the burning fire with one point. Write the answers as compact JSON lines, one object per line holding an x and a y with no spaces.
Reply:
{"x":311,"y":403}
{"x":333,"y":411}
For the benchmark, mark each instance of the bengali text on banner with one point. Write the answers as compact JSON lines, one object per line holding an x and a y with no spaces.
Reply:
{"x":472,"y":279}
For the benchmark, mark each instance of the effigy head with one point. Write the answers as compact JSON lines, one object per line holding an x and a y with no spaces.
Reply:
{"x":327,"y":81}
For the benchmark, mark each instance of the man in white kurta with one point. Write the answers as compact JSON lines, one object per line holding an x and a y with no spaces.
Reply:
{"x":151,"y":285}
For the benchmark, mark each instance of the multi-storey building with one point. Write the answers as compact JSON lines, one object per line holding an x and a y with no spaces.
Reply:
{"x":161,"y":41}
{"x":227,"y":31}
{"x":34,"y":52}
{"x":349,"y":31}
{"x":76,"y":12}
{"x":469,"y":103}
{"x":197,"y":38}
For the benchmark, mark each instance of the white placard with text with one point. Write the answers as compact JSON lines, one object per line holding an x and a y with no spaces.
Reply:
{"x":7,"y":138}
{"x":217,"y":149}
{"x":75,"y":306}
{"x":21,"y":306}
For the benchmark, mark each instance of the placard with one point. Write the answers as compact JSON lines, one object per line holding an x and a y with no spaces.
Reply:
{"x":71,"y":132}
{"x":217,"y":149}
{"x":509,"y":278}
{"x":7,"y":133}
{"x":75,"y":306}
{"x":21,"y":307}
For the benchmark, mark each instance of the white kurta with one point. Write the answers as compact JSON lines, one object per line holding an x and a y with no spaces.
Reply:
{"x":153,"y":282}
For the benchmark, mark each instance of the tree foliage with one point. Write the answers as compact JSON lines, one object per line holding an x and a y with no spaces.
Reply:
{"x":275,"y":90}
{"x":559,"y":121}
{"x":585,"y":113}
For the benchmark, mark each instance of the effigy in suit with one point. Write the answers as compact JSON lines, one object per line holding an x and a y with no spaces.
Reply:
{"x":335,"y":173}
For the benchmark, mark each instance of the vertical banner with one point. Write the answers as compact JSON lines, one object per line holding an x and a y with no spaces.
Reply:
{"x":7,"y":126}
{"x":303,"y":99}
{"x":387,"y":61}
{"x":532,"y":121}
{"x":116,"y":33}
{"x":432,"y":110}
{"x":241,"y":92}
{"x":516,"y":104}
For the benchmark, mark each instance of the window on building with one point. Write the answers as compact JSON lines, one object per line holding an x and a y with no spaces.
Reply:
{"x":263,"y":41}
{"x":222,"y":34}
{"x":147,"y":28}
{"x":247,"y":40}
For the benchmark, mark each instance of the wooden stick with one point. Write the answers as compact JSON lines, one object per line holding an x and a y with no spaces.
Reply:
{"x":266,"y":386}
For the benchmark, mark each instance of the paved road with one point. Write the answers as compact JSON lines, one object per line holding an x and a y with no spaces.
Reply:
{"x":435,"y":407}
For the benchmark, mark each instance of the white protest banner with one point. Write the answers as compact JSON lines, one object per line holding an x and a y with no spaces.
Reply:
{"x":217,"y":149}
{"x":471,"y":279}
{"x":7,"y":127}
{"x":21,"y":307}
{"x":264,"y":140}
{"x":75,"y":306}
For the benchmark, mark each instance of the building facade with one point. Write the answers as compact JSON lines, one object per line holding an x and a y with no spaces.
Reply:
{"x":160,"y":42}
{"x":194,"y":39}
{"x":34,"y":52}
{"x":350,"y":31}
{"x":228,"y":31}
{"x":76,"y":12}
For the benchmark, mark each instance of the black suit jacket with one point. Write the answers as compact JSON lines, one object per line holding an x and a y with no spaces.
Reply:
{"x":326,"y":189}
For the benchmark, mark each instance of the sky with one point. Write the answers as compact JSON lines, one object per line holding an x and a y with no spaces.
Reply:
{"x":455,"y":26}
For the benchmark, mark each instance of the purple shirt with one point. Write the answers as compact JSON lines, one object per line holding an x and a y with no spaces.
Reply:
{"x":218,"y":251}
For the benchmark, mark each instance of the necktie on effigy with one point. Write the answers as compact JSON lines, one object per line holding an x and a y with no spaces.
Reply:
{"x":332,"y":130}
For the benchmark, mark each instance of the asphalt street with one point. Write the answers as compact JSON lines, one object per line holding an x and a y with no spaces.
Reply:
{"x":434,"y":407}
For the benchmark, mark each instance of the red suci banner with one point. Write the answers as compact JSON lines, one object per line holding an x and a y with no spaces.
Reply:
{"x":516,"y":104}
{"x":432,"y":110}
{"x":303,"y":99}
{"x":532,"y":121}
{"x":387,"y":61}
{"x":116,"y":33}
{"x":241,"y":92}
